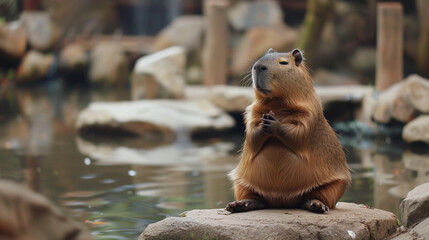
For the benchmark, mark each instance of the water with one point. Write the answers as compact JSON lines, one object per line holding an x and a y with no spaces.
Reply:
{"x":119,"y":185}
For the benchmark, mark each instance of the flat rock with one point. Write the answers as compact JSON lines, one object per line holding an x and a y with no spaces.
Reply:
{"x":236,"y":99}
{"x":414,"y":208}
{"x":231,"y":98}
{"x":160,"y":75}
{"x":164,"y":117}
{"x":187,"y":154}
{"x":417,"y":130}
{"x":347,"y":221}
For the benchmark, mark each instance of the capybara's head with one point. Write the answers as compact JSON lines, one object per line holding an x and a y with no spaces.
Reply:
{"x":276,"y":74}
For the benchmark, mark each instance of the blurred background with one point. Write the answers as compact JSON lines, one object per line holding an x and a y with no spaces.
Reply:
{"x":123,"y":112}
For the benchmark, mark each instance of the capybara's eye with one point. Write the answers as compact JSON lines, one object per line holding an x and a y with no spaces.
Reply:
{"x":284,"y":63}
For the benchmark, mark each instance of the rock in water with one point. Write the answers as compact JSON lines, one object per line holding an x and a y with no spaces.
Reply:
{"x":231,"y":98}
{"x":42,"y":32}
{"x":184,"y":31}
{"x":160,"y":75}
{"x":73,"y":59}
{"x":145,"y":117}
{"x":29,"y":215}
{"x":347,"y":221}
{"x":417,"y":130}
{"x":248,"y":14}
{"x":414,"y":208}
{"x":13,"y":40}
{"x":34,"y":67}
{"x":403,"y":100}
{"x":108,"y":64}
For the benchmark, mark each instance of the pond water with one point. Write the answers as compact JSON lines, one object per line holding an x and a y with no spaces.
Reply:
{"x":119,"y":185}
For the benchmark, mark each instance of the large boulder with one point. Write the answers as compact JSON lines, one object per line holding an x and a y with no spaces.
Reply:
{"x":13,"y":40}
{"x":73,"y":58}
{"x":42,"y":32}
{"x":155,"y":117}
{"x":184,"y":31}
{"x":420,"y":231}
{"x":160,"y":75}
{"x":35,"y":66}
{"x":249,"y":14}
{"x":29,"y":215}
{"x":108,"y":64}
{"x":417,"y":130}
{"x":347,"y":221}
{"x":414,"y":208}
{"x":403,"y":100}
{"x":256,"y":41}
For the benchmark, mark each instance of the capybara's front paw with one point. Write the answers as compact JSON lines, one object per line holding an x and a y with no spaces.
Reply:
{"x":244,"y":205}
{"x":316,"y":206}
{"x":269,"y":122}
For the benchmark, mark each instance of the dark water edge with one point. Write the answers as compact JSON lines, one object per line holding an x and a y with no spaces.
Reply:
{"x":119,"y":185}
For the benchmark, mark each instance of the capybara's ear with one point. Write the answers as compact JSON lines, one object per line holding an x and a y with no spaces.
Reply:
{"x":270,"y":50}
{"x":298,"y":56}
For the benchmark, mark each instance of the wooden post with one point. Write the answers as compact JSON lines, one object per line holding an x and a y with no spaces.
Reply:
{"x":389,"y":69}
{"x":216,"y":43}
{"x":423,"y":48}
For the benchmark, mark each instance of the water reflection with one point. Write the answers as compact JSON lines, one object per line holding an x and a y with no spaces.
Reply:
{"x":120,"y":185}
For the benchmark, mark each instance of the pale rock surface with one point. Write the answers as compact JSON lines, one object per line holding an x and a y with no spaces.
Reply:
{"x":164,"y":117}
{"x":42,"y":32}
{"x":248,"y":14}
{"x":231,"y":98}
{"x":416,"y":162}
{"x":417,"y":130}
{"x":186,"y":154}
{"x":414,"y":208}
{"x":403,"y":100}
{"x":108,"y":64}
{"x":13,"y":40}
{"x":73,"y":58}
{"x":256,"y":42}
{"x":28,"y":215}
{"x":236,"y":99}
{"x":160,"y":75}
{"x":34,"y":66}
{"x":347,"y":221}
{"x":185,"y":31}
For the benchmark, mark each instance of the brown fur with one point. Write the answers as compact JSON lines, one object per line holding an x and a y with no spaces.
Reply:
{"x":302,"y":159}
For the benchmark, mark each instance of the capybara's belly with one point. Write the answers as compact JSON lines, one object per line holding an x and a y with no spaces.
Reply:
{"x":279,"y":174}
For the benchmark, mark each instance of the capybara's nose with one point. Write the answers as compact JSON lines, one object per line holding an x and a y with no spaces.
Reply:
{"x":259,"y":68}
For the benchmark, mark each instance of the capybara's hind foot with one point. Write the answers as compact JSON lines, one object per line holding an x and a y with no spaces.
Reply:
{"x":245,"y":205}
{"x":316,"y":206}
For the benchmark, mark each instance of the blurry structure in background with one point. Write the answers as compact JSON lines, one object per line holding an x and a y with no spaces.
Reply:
{"x":389,"y":45}
{"x":216,"y":44}
{"x":423,"y":47}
